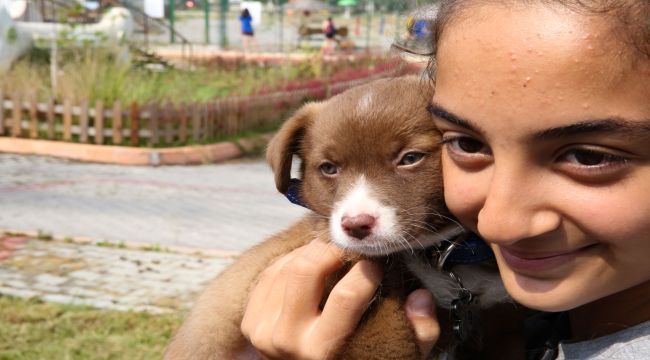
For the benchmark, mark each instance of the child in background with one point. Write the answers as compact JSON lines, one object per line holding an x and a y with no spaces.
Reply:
{"x":247,"y":32}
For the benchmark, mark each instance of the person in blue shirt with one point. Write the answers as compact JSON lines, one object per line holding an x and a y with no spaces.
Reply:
{"x":247,"y":31}
{"x":544,"y":111}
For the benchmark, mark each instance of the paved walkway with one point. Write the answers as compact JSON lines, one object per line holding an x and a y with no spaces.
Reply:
{"x":227,"y":206}
{"x":210,"y":211}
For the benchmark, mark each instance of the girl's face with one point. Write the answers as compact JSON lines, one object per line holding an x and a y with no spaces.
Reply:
{"x":546,"y":125}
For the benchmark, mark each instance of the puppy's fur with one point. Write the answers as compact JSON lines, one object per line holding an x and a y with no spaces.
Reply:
{"x":370,"y":166}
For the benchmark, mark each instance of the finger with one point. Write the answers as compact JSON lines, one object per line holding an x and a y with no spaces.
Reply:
{"x":306,"y":281}
{"x":306,"y":277}
{"x":266,"y":298}
{"x":347,"y":302}
{"x":420,"y":310}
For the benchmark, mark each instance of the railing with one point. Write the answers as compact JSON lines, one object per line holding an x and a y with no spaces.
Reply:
{"x":155,"y":124}
{"x":145,"y":21}
{"x":57,"y":10}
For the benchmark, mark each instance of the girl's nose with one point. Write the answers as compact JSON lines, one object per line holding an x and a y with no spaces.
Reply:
{"x":516,"y":208}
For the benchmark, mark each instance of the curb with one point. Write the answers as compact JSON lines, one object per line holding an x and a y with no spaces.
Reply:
{"x":128,"y":245}
{"x":124,"y":155}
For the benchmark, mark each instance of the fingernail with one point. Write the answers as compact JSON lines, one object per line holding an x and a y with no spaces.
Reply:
{"x":420,"y":303}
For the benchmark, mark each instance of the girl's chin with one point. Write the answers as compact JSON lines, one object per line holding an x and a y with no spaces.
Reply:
{"x":538,"y":294}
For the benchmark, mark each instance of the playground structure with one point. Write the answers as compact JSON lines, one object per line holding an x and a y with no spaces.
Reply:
{"x":16,"y":37}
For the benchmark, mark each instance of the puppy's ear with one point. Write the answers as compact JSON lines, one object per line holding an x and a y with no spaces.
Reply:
{"x":287,"y":142}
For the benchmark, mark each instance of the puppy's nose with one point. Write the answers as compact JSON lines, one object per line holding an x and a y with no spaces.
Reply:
{"x":358,"y":226}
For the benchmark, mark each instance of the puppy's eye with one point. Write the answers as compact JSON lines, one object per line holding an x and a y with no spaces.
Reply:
{"x":410,"y":158}
{"x":328,"y":168}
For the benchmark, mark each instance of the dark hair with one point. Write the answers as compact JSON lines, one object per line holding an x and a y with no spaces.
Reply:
{"x":245,"y":13}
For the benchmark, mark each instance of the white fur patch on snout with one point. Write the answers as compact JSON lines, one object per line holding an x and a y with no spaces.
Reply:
{"x":384,"y":236}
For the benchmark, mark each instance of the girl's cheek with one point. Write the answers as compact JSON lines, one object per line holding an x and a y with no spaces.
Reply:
{"x":463,"y":195}
{"x":613,"y":216}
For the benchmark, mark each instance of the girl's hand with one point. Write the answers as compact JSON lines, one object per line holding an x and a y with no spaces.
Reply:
{"x":420,"y":310}
{"x":283,"y":319}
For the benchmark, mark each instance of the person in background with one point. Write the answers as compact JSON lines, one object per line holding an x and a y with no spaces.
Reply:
{"x":544,"y":111}
{"x":247,"y":31}
{"x":329,"y":30}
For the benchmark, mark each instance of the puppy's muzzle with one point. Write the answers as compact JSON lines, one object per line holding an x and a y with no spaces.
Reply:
{"x":359,"y":226}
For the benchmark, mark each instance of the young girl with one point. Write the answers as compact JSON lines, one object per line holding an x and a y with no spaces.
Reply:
{"x":544,"y":107}
{"x":247,"y":32}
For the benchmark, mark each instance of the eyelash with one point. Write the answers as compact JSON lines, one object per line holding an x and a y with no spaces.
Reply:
{"x":611,"y":162}
{"x":448,"y":141}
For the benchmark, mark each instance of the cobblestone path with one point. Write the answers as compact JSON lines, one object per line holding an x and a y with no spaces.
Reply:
{"x":107,"y":277}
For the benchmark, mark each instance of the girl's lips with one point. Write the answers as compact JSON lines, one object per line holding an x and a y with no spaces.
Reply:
{"x":538,"y":262}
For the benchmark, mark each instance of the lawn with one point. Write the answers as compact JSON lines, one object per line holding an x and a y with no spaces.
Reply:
{"x":32,"y":329}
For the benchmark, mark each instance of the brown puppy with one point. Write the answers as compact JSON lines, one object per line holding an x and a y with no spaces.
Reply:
{"x":370,"y":170}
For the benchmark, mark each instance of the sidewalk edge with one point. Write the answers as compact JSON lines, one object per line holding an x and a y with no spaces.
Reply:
{"x":129,"y":245}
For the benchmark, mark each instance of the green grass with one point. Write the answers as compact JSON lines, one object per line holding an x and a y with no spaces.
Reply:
{"x":95,"y":78}
{"x":93,"y":74}
{"x":32,"y":329}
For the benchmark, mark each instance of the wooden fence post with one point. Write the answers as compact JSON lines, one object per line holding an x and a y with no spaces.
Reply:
{"x":50,"y":119}
{"x":206,"y":121}
{"x":154,"y":115}
{"x":196,"y":122}
{"x":17,"y":115}
{"x":117,"y":122}
{"x":83,"y":122}
{"x":218,"y":105}
{"x":33,"y":117}
{"x":169,"y":123}
{"x":135,"y":124}
{"x":2,"y":112}
{"x":211,"y":118}
{"x":99,"y":122}
{"x":182,"y":129}
{"x":227,"y":116}
{"x":67,"y":120}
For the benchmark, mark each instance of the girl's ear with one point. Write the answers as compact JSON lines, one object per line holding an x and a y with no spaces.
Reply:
{"x":288,"y":142}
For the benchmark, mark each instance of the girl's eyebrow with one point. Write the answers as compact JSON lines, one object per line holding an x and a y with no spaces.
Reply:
{"x":610,"y":126}
{"x":440,"y":112}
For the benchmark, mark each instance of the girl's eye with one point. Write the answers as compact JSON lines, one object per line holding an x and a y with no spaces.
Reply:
{"x":466,"y":152}
{"x":465,"y":145}
{"x":592,"y":164}
{"x":469,"y":145}
{"x":592,"y":158}
{"x":410,"y":158}
{"x":327,"y":168}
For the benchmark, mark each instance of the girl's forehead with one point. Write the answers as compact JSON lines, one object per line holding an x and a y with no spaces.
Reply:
{"x":534,"y":39}
{"x":538,"y":62}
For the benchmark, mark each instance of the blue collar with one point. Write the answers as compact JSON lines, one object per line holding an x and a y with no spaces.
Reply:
{"x":293,"y":192}
{"x":470,"y":250}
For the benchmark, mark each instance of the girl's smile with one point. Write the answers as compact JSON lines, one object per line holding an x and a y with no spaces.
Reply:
{"x":536,"y":263}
